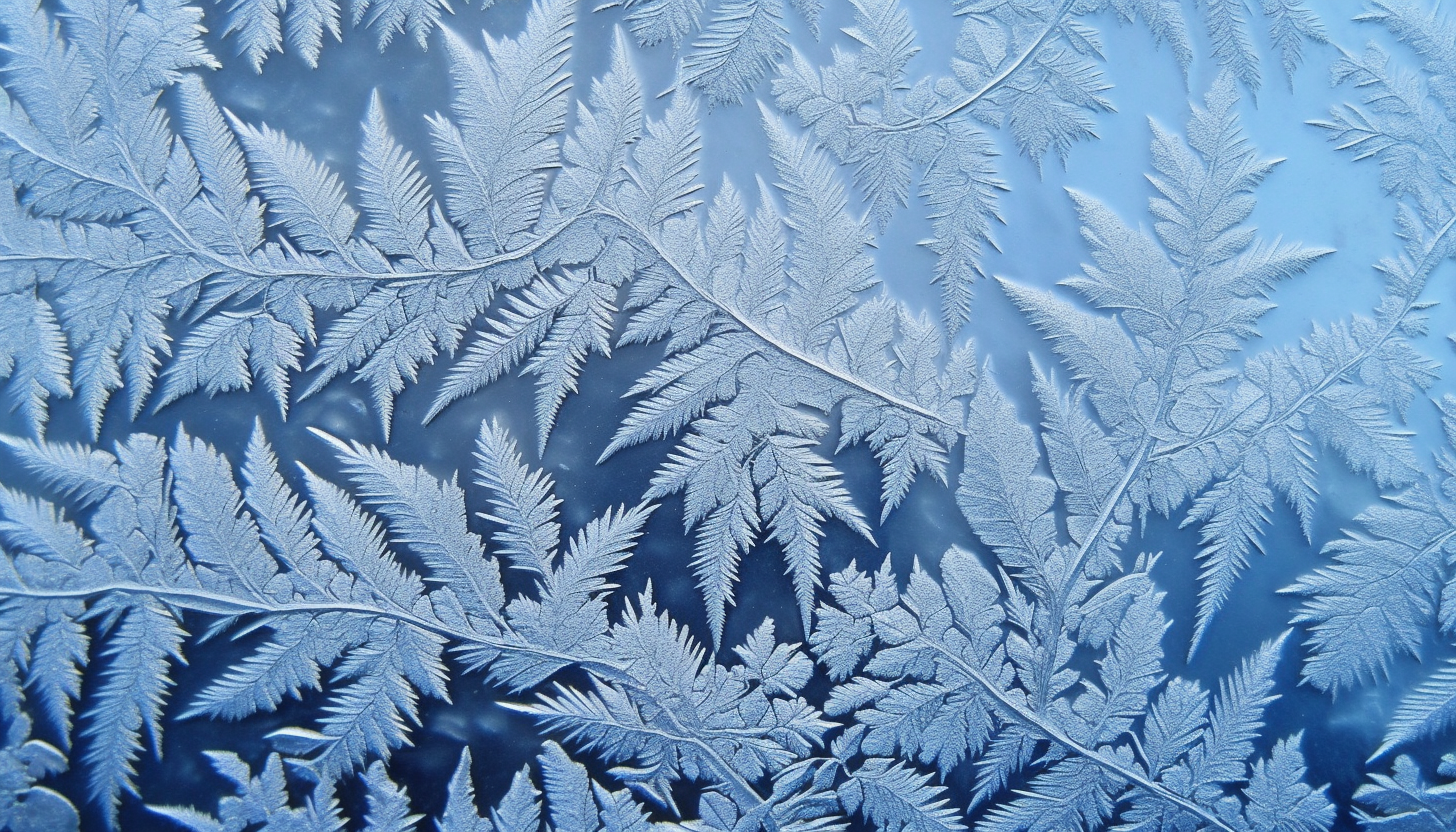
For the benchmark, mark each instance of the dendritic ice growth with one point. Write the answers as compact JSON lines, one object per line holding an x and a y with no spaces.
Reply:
{"x":887,"y":414}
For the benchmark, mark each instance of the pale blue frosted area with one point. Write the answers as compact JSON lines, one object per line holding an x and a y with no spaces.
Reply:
{"x":1317,"y":196}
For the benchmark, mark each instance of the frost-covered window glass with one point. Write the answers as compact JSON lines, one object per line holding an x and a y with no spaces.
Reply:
{"x":727,"y":415}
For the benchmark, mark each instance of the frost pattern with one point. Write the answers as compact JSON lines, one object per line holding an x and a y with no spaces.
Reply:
{"x":157,"y":246}
{"x":321,"y":575}
{"x":1028,"y":68}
